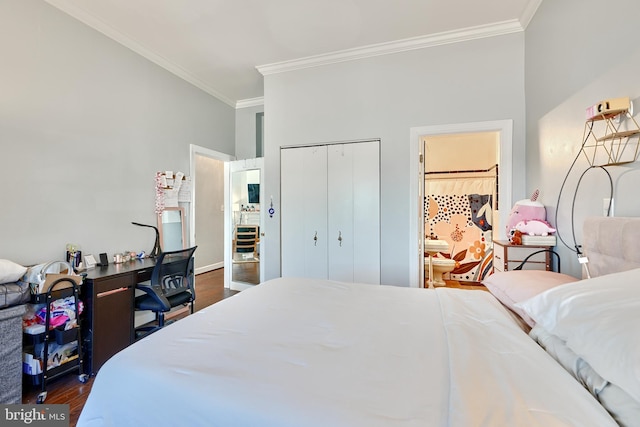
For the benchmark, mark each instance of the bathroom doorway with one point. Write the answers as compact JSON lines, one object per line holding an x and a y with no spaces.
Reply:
{"x":445,"y":144}
{"x":461,"y":194}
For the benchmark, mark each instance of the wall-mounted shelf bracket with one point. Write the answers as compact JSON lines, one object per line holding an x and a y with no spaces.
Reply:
{"x":611,"y":138}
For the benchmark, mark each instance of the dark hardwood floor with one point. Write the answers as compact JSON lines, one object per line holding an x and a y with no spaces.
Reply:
{"x":69,"y":390}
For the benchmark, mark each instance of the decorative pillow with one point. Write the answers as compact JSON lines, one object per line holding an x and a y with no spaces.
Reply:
{"x":10,"y":271}
{"x":511,"y":287}
{"x":598,"y":319}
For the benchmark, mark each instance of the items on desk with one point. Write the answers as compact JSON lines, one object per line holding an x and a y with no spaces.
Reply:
{"x":74,"y":255}
{"x":104,"y":260}
{"x":127,"y":256}
{"x":89,"y":262}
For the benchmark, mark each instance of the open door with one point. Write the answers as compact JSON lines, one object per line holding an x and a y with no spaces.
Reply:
{"x":244,"y":224}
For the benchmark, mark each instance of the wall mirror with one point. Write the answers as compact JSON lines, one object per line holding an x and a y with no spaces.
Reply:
{"x":171,"y":225}
{"x":245,"y":220}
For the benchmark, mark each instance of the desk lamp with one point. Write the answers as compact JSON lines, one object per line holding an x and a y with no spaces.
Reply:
{"x":432,"y":247}
{"x":156,"y":247}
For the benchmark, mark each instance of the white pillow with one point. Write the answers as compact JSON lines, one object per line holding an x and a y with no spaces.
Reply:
{"x":599,"y":319}
{"x":10,"y":271}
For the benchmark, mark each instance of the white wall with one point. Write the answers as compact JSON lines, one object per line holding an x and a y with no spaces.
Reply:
{"x":84,"y":125}
{"x":578,"y":52}
{"x":468,"y":151}
{"x":246,"y":131}
{"x":383,"y":97}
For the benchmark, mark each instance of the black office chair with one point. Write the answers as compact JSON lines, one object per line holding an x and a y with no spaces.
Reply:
{"x":172,"y":284}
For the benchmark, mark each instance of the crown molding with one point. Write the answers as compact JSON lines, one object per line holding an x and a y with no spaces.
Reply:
{"x":447,"y":37}
{"x":250,"y":102}
{"x":529,"y":11}
{"x":129,"y":42}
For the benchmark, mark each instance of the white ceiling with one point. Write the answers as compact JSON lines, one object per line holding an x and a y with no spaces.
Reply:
{"x":219,"y":45}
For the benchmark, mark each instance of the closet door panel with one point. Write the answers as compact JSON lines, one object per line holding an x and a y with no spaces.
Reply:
{"x":314,"y":198}
{"x":340,"y":209}
{"x":304,"y":211}
{"x":331,"y":212}
{"x":292,"y":260}
{"x":366,"y":212}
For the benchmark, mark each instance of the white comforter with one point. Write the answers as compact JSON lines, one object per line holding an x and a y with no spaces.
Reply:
{"x":299,"y":352}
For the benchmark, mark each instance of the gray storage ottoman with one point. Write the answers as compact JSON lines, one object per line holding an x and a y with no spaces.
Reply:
{"x":11,"y":354}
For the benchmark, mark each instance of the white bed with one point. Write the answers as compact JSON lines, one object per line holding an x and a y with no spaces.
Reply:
{"x":300,"y":352}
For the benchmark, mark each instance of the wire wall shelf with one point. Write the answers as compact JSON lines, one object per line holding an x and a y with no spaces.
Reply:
{"x":619,"y":142}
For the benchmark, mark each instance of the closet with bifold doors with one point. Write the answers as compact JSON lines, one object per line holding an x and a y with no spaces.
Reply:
{"x":330,"y":211}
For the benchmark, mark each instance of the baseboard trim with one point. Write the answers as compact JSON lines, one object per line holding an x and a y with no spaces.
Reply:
{"x":209,"y":267}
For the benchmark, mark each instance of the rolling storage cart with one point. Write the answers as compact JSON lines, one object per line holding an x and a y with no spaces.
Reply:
{"x":60,"y":288}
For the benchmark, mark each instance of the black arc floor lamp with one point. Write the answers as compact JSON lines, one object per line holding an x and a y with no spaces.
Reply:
{"x":155,"y":252}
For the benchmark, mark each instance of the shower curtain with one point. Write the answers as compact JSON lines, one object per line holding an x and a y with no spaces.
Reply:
{"x":459,"y":210}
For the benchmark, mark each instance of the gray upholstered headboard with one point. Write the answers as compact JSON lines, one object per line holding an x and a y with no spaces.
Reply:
{"x":611,"y":244}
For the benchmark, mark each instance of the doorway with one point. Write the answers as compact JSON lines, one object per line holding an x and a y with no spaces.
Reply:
{"x":207,"y":169}
{"x":461,"y":196}
{"x":503,"y":130}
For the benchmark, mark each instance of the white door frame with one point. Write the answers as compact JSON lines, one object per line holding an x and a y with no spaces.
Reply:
{"x":416,"y":241}
{"x":196,"y":150}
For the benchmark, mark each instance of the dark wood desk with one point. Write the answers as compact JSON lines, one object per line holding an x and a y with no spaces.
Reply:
{"x":108,"y":321}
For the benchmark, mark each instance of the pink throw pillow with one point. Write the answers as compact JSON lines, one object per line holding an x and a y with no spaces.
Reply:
{"x":511,"y":287}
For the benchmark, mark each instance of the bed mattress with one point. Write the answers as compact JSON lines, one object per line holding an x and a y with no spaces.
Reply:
{"x":301,"y":352}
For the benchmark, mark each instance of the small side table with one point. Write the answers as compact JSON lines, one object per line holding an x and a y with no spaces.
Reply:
{"x":507,"y":256}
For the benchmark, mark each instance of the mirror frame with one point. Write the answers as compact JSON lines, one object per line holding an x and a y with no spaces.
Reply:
{"x":160,"y":226}
{"x":231,"y":168}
